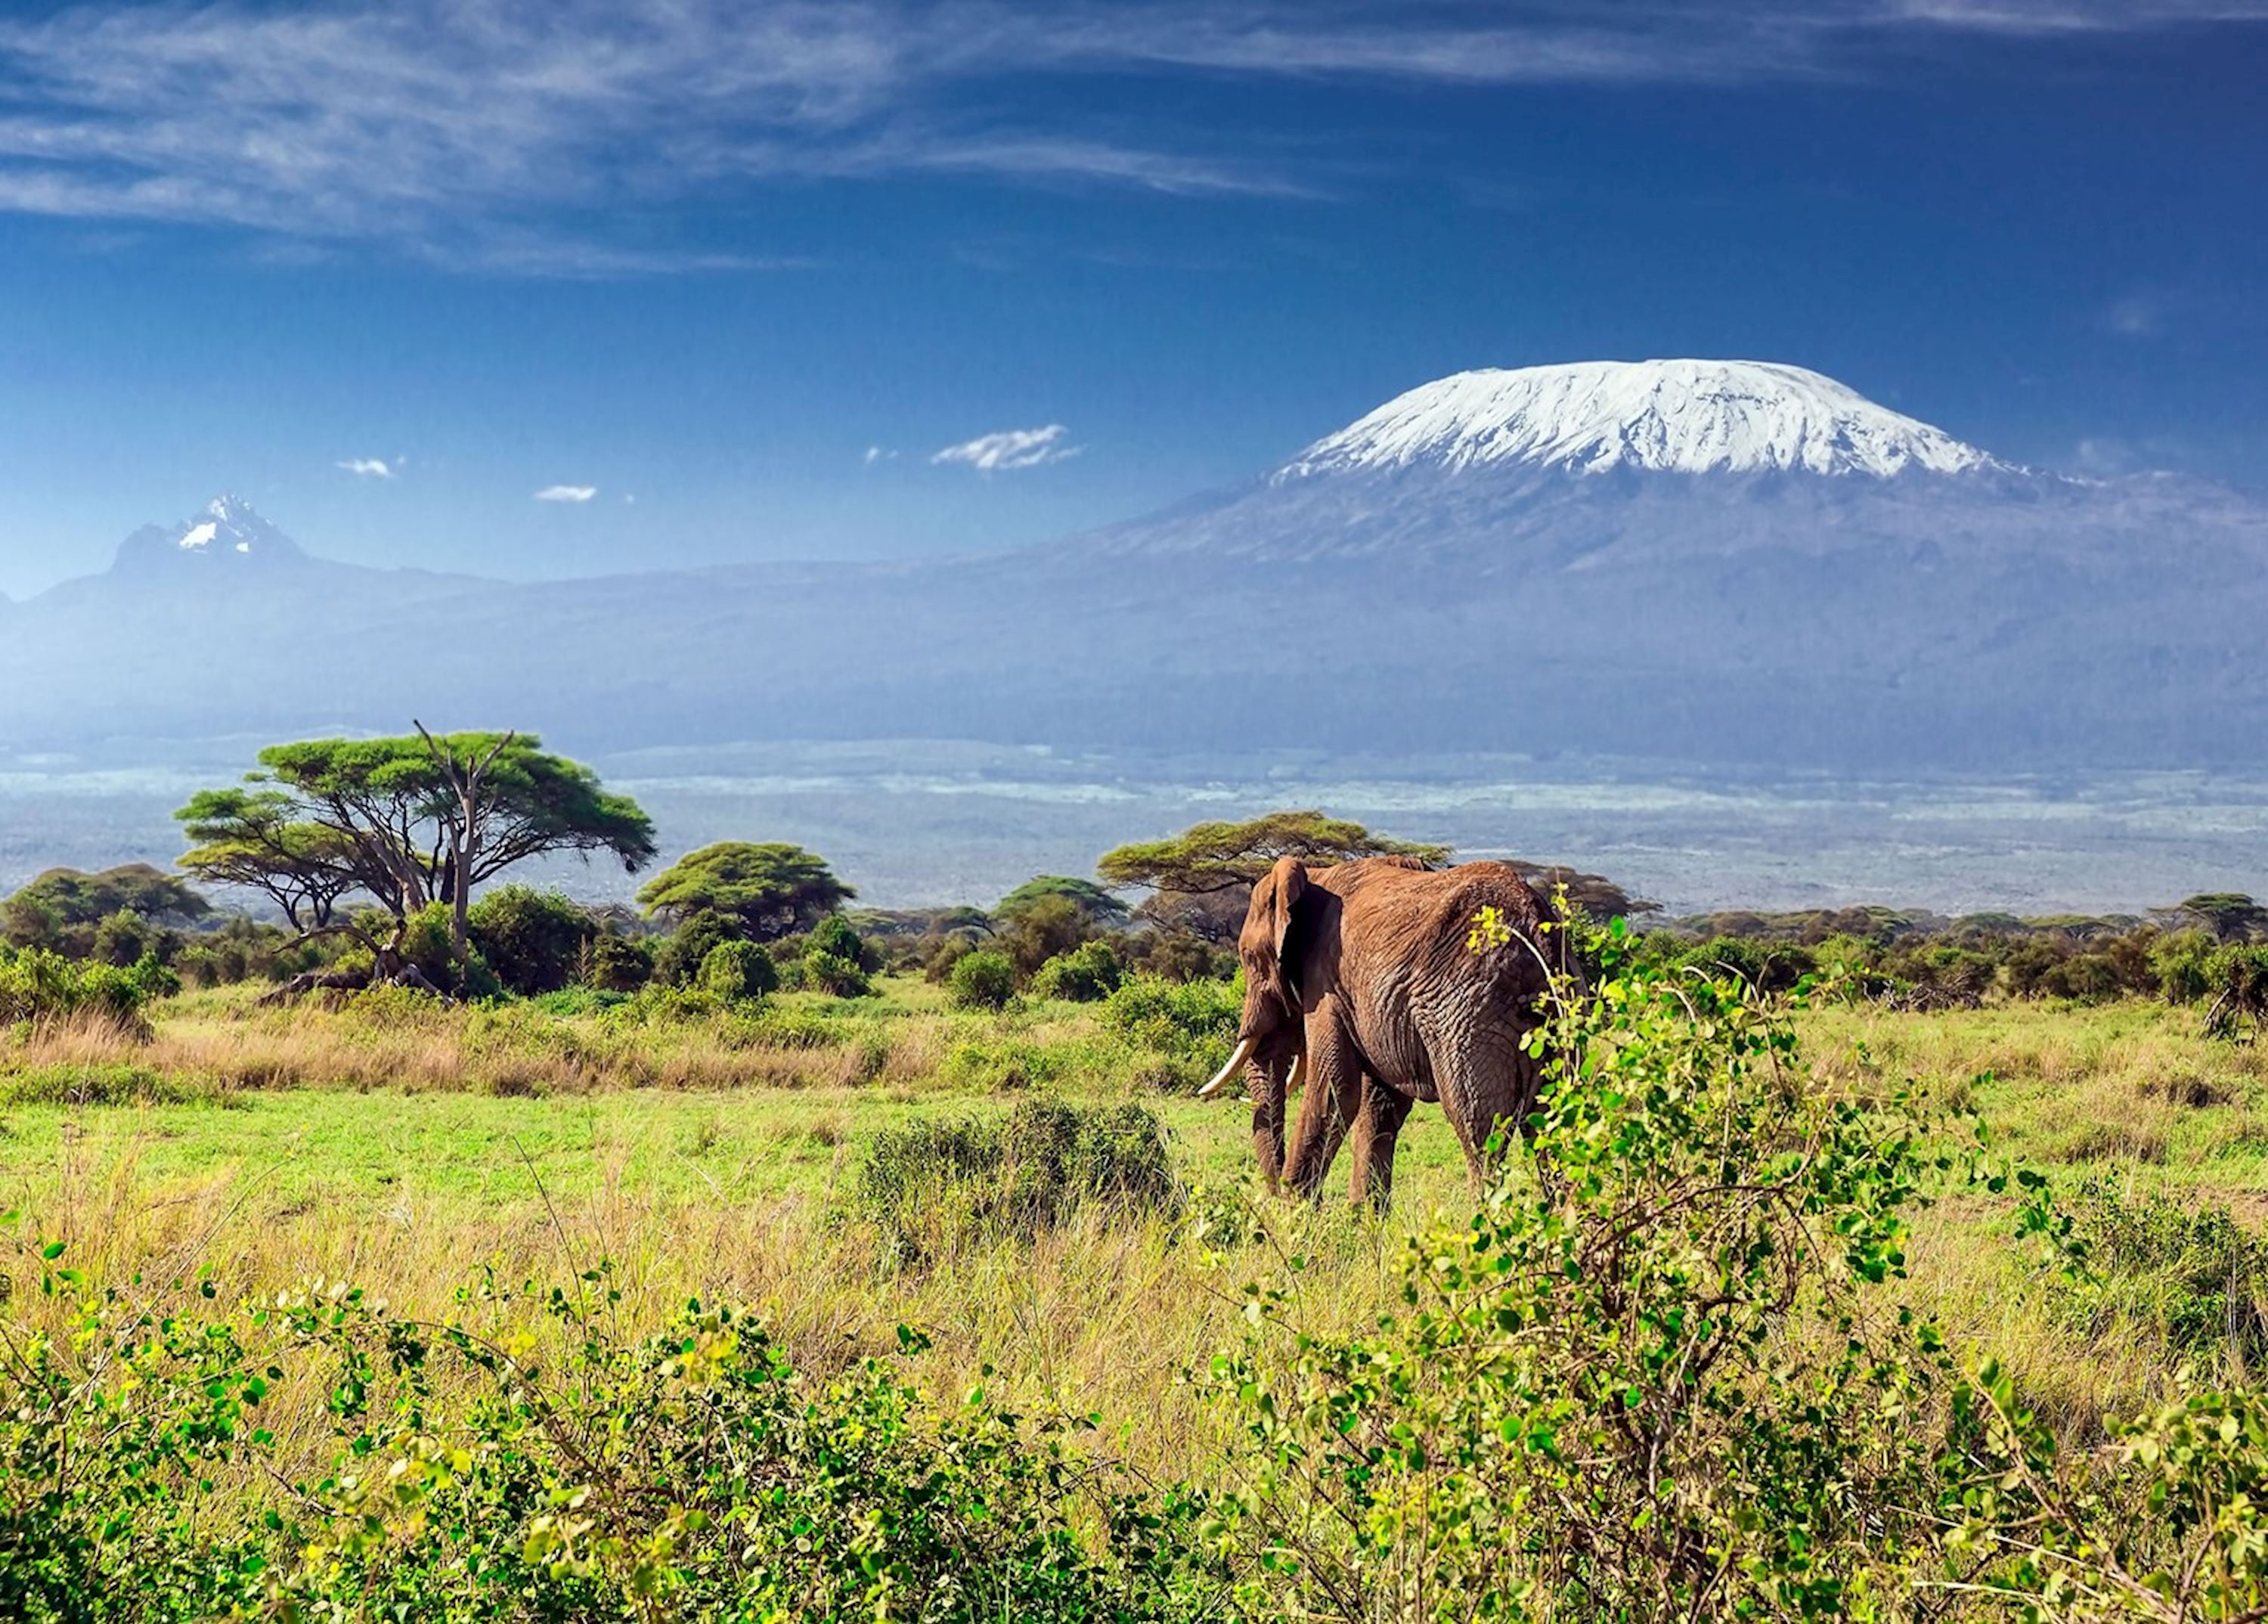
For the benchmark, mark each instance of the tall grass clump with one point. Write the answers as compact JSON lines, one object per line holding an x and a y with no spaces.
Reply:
{"x":946,"y":1175}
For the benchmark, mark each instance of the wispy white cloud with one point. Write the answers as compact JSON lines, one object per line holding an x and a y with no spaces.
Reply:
{"x":566,"y":493}
{"x":466,"y":129}
{"x":1011,"y":449}
{"x":368,"y":467}
{"x":877,"y":454}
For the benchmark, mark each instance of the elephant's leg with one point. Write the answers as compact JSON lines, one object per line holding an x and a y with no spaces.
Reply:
{"x":1329,"y":1107}
{"x":1384,"y":1111}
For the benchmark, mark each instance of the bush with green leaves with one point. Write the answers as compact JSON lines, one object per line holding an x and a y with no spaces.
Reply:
{"x":2237,"y":982}
{"x":428,"y":943}
{"x":613,"y":963}
{"x":478,"y":1469}
{"x":1187,"y":1020}
{"x":836,"y":936}
{"x":821,"y":971}
{"x":985,"y":979}
{"x":1018,"y":1174}
{"x":687,"y":946}
{"x":739,"y":972}
{"x":37,"y":985}
{"x":1086,"y":974}
{"x":1668,"y":1374}
{"x":2187,"y":1274}
{"x":532,"y":940}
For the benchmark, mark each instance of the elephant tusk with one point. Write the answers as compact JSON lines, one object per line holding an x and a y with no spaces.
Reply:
{"x":1244,"y":1048}
{"x":1298,"y":1068}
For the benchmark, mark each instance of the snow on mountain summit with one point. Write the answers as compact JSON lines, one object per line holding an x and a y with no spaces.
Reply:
{"x":228,"y":526}
{"x":1684,"y":417}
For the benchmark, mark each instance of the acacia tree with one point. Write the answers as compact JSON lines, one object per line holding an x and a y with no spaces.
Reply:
{"x":406,"y":822}
{"x":771,"y":889}
{"x":1096,"y":904}
{"x":257,"y":839}
{"x":1203,"y":877}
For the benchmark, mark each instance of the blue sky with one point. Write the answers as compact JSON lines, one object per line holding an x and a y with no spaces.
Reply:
{"x":741,"y":273}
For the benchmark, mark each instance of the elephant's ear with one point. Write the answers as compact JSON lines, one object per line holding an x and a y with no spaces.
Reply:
{"x":1288,"y":883}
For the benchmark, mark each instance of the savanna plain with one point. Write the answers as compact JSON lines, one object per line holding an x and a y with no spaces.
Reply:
{"x":1833,"y":1283}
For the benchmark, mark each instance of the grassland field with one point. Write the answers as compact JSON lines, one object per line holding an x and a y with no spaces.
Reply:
{"x":410,"y":1150}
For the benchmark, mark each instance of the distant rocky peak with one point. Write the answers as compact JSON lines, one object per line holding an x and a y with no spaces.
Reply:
{"x":227,"y":533}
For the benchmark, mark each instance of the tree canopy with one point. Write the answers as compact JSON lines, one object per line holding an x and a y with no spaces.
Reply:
{"x":1225,"y":856}
{"x":1099,"y":906}
{"x":327,"y":819}
{"x":772,"y":889}
{"x":2231,"y":916}
{"x":75,"y":897}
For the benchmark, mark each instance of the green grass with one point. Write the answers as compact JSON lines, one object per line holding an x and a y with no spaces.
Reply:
{"x":409,"y":1147}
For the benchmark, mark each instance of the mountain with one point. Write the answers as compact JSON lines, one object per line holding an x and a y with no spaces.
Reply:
{"x":1725,"y":562}
{"x":1662,"y":417}
{"x":228,"y":535}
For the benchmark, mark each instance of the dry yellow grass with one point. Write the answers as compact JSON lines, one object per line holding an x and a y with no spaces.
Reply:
{"x":404,"y":1152}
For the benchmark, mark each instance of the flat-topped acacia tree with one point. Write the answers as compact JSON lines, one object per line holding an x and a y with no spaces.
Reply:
{"x":405,"y":822}
{"x":1204,"y":877}
{"x":767,"y":888}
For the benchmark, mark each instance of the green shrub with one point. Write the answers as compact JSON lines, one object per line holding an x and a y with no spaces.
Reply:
{"x":37,"y":985}
{"x":532,"y":940}
{"x":738,"y":972}
{"x":836,"y":937}
{"x":833,"y":974}
{"x":1593,"y":1405}
{"x":2192,"y":1275}
{"x":2182,"y":961}
{"x":1768,"y":966}
{"x":1183,"y":1020}
{"x":2236,"y":979}
{"x":1088,"y":972}
{"x":981,"y":980}
{"x":692,"y":1474}
{"x":614,"y":963}
{"x":428,"y":943}
{"x":1045,"y":928}
{"x":569,"y":1002}
{"x":690,"y":945}
{"x":2083,"y":977}
{"x":1018,"y":1174}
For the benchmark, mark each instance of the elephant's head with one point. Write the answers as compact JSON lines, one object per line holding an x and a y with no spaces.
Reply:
{"x":1271,"y":1035}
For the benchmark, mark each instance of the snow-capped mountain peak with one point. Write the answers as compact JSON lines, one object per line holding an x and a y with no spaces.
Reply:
{"x":228,"y":526}
{"x":1685,"y":417}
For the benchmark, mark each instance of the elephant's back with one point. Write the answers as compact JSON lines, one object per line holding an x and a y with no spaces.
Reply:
{"x":1453,"y":920}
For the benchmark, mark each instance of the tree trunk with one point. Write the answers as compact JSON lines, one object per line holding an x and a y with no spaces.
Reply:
{"x":464,"y":829}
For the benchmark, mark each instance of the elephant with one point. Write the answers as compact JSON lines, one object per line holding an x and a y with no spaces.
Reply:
{"x":1375,"y":982}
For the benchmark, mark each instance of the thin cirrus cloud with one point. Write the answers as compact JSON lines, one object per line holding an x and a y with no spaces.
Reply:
{"x":566,"y":493}
{"x":1011,"y":449}
{"x":460,"y":129}
{"x":368,"y":467}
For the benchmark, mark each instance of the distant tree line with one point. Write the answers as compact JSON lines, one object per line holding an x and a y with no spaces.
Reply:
{"x":387,"y":861}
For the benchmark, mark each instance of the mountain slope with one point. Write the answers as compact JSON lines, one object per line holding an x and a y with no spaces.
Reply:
{"x":1725,"y":563}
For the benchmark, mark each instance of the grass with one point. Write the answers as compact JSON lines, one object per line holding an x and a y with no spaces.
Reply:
{"x":409,"y":1147}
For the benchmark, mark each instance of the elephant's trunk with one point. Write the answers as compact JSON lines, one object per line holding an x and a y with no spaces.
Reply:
{"x":1244,"y":1048}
